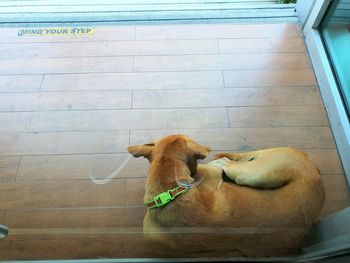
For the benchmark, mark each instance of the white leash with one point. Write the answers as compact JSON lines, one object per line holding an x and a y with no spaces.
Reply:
{"x":112,"y":175}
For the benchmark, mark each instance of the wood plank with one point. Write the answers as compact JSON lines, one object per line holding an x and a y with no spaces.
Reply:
{"x":8,"y":168}
{"x":10,"y":35}
{"x":24,"y":50}
{"x":269,"y":77}
{"x":62,"y":194}
{"x":308,"y":115}
{"x":66,"y":65}
{"x":135,"y":191}
{"x":300,"y":96}
{"x":2,"y":216}
{"x":310,"y":137}
{"x":134,"y":246}
{"x":96,"y":49}
{"x":245,"y":139}
{"x":88,"y":247}
{"x":63,"y":142}
{"x":123,"y":48}
{"x":336,"y":188}
{"x":15,"y":121}
{"x":76,"y":218}
{"x":67,"y":248}
{"x":128,"y":119}
{"x":20,"y":83}
{"x":230,"y":139}
{"x":146,"y":80}
{"x":63,"y":167}
{"x":222,"y":62}
{"x":271,"y":116}
{"x":261,"y":45}
{"x":43,"y":101}
{"x":216,"y":31}
{"x":225,"y":97}
{"x":327,"y":160}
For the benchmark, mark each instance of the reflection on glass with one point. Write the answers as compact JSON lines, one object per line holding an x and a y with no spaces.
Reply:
{"x":336,"y":35}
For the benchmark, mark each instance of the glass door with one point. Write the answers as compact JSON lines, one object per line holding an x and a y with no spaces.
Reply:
{"x":335,"y":31}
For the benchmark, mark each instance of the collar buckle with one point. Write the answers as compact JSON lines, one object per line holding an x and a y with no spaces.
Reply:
{"x":163,"y":198}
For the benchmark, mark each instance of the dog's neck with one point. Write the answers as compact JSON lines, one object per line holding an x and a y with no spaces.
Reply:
{"x":164,"y":173}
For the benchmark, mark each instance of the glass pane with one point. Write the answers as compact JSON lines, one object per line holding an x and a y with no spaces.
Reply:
{"x":336,"y":35}
{"x":76,"y":101}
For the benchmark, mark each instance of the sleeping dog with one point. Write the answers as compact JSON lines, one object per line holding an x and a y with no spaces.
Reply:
{"x":255,"y":204}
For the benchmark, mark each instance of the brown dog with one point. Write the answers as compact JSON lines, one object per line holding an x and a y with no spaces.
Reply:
{"x":262,"y":205}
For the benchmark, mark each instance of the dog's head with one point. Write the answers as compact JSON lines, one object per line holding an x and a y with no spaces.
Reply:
{"x":178,"y":147}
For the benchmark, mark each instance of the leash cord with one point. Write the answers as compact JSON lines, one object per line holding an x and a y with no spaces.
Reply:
{"x":112,"y":175}
{"x":187,"y":184}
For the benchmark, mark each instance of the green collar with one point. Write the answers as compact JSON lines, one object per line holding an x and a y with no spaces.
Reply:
{"x":166,"y":197}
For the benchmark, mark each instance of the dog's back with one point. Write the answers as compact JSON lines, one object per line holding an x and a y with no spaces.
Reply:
{"x":236,"y":220}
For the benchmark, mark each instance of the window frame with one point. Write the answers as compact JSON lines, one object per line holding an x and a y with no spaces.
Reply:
{"x":328,"y":85}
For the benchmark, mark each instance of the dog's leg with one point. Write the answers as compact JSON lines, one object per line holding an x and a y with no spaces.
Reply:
{"x":264,"y":169}
{"x":251,"y":176}
{"x":242,"y":157}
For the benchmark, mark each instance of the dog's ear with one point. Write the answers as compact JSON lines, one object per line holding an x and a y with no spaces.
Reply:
{"x":198,"y":151}
{"x":143,"y":150}
{"x":195,"y":152}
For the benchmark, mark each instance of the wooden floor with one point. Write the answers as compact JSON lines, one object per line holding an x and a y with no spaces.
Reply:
{"x":71,"y":104}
